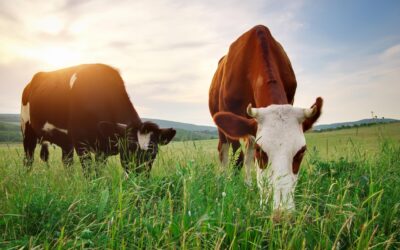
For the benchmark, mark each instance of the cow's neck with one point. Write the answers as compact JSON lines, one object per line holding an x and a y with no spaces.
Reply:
{"x":268,"y":89}
{"x":267,"y":84}
{"x":129,"y":116}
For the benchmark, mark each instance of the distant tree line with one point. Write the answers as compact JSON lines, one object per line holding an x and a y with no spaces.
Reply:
{"x":12,"y":133}
{"x":186,"y":135}
{"x":351,"y":126}
{"x":10,"y":136}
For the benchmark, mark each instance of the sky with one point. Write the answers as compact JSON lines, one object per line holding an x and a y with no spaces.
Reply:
{"x":167,"y":51}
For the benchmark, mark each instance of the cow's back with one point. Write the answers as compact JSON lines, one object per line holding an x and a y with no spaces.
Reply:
{"x":48,"y":98}
{"x":215,"y":88}
{"x":255,"y":69}
{"x":99,"y":95}
{"x":70,"y":102}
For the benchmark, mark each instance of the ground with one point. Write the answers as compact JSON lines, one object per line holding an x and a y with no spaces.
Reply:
{"x":348,"y":196}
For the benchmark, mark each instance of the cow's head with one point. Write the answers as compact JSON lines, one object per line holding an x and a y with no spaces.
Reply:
{"x":138,"y":145}
{"x":279,"y":143}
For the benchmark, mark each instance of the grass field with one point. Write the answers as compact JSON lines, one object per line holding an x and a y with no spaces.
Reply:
{"x":347,"y":197}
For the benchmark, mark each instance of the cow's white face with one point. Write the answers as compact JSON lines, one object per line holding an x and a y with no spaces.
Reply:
{"x":281,"y":139}
{"x":279,"y":145}
{"x":138,"y":144}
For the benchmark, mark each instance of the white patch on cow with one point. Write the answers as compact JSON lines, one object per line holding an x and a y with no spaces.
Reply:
{"x":72,"y":80}
{"x":224,"y":155}
{"x":45,"y":143}
{"x":25,"y":116}
{"x":49,"y":128}
{"x":280,"y":135}
{"x":144,"y":140}
{"x":281,"y":189}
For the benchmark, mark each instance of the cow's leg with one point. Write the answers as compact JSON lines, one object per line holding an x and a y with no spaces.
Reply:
{"x":235,"y":148}
{"x":249,"y":159}
{"x":30,"y":141}
{"x":125,"y":166}
{"x":100,"y":158}
{"x":148,"y":169}
{"x":67,"y":155}
{"x":126,"y":160}
{"x":85,"y":158}
{"x":44,"y":151}
{"x":223,"y":149}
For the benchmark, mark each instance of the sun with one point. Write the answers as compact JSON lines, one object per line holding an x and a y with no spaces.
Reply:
{"x":49,"y":25}
{"x":59,"y":56}
{"x":52,"y":57}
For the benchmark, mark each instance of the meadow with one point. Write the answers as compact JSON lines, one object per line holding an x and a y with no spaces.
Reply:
{"x":347,"y":197}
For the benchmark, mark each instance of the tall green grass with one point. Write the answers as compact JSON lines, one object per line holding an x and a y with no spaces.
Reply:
{"x":351,"y":202}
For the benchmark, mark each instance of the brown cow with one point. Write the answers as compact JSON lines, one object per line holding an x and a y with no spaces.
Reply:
{"x":256,"y":72}
{"x":86,"y":107}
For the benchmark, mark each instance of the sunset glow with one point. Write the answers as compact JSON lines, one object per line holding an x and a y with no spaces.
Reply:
{"x":167,"y":52}
{"x":58,"y":57}
{"x":51,"y":25}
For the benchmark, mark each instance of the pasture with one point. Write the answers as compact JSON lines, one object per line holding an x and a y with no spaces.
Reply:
{"x":347,"y":197}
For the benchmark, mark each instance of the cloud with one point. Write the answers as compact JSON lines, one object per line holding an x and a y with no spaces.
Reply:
{"x":354,"y":85}
{"x":391,"y":52}
{"x":167,"y":52}
{"x":12,"y":83}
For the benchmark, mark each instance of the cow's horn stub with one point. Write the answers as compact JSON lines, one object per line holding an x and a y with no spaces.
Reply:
{"x":251,"y":112}
{"x":308,"y":113}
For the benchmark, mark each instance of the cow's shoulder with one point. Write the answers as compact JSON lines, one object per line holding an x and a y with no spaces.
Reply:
{"x":221,"y":60}
{"x":98,"y":71}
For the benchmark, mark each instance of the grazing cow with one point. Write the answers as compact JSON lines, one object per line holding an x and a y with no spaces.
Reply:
{"x":87,"y":108}
{"x":257,"y":73}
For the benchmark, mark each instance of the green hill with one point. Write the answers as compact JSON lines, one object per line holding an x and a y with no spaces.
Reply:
{"x":10,"y":118}
{"x":181,"y":125}
{"x":333,"y":144}
{"x":10,"y":130}
{"x":360,"y":123}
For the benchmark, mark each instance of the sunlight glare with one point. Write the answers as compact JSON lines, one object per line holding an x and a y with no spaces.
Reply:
{"x":59,"y":57}
{"x":50,"y":24}
{"x":53,"y":57}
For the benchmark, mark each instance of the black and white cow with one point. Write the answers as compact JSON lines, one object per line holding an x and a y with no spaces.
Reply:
{"x":87,"y":108}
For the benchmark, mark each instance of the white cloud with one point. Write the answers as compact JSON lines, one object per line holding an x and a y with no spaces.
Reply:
{"x":391,"y":52}
{"x":354,"y":86}
{"x":167,"y":52}
{"x":173,"y":44}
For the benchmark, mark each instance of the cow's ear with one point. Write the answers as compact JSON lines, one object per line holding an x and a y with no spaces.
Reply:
{"x":109,"y":129}
{"x":166,"y":135}
{"x":235,"y":126}
{"x":309,"y":121}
